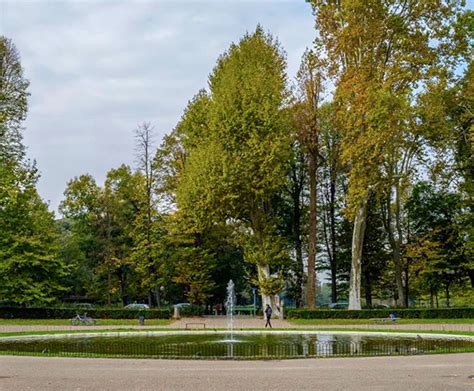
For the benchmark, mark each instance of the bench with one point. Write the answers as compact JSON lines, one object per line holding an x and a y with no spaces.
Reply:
{"x":190,"y":325}
{"x":250,"y":309}
{"x":383,"y":320}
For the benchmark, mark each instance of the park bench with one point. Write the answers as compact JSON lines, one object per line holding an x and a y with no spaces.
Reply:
{"x":244,"y":309}
{"x":192,"y":324}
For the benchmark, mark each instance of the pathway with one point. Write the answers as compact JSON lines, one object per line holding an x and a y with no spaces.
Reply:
{"x":453,"y":372}
{"x":244,"y":323}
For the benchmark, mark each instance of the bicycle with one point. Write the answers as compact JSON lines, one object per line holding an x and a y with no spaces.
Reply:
{"x":82,"y":320}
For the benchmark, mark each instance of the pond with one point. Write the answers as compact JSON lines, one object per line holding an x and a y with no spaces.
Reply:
{"x":246,"y":345}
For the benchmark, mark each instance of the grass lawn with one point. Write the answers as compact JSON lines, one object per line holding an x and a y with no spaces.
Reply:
{"x":99,"y":322}
{"x":323,"y":322}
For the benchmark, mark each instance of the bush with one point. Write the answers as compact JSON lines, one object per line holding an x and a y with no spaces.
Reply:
{"x":67,"y":313}
{"x":192,"y":310}
{"x":415,"y":313}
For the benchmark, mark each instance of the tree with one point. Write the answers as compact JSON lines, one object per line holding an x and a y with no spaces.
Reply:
{"x":290,"y":206}
{"x":13,"y":102}
{"x":83,"y":238}
{"x":310,"y":83}
{"x":147,"y":214}
{"x":436,"y":235}
{"x":31,"y":271}
{"x":378,"y":52}
{"x":464,"y":153}
{"x":375,"y":254}
{"x":333,"y":183}
{"x":98,"y":239}
{"x":238,"y":166}
{"x":171,"y":156}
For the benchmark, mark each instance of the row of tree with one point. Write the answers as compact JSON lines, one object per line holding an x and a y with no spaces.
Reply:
{"x":360,"y":170}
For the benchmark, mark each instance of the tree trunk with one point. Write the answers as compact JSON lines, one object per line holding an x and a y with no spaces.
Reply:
{"x":296,"y":195}
{"x":397,"y":261}
{"x":109,"y":286}
{"x":395,"y":240}
{"x":368,"y":287}
{"x":397,"y":256}
{"x":311,"y":287}
{"x":122,"y":277}
{"x":332,"y":222}
{"x":264,"y":273}
{"x":406,"y":284}
{"x":300,"y":272}
{"x":357,"y":244}
{"x":446,"y":286}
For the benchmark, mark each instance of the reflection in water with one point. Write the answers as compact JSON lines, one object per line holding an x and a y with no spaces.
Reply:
{"x":324,"y":345}
{"x":356,"y":344}
{"x":271,"y":345}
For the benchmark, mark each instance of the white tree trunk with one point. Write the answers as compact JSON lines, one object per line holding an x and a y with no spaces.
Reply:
{"x":356,"y":267}
{"x":264,"y":273}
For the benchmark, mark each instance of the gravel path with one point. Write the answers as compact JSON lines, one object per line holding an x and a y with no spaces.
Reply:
{"x":451,"y":372}
{"x":242,"y":323}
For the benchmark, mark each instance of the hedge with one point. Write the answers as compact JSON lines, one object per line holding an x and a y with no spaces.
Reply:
{"x":192,"y":310}
{"x":411,"y":313}
{"x":67,"y":313}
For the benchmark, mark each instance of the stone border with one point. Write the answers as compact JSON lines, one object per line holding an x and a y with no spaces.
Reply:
{"x":412,"y":334}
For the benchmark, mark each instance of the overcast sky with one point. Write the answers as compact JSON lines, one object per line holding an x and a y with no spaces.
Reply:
{"x":98,"y":68}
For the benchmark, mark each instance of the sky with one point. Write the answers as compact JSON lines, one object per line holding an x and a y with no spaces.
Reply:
{"x":99,"y":68}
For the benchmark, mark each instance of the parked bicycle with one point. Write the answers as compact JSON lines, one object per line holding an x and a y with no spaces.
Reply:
{"x":82,"y":320}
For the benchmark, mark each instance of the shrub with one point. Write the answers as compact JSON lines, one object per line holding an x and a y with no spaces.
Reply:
{"x":420,"y":313}
{"x":192,"y":310}
{"x":67,"y":313}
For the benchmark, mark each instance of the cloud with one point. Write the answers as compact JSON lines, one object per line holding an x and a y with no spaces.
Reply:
{"x":98,"y":68}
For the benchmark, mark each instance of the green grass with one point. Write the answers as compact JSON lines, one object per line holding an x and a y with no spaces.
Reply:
{"x":333,"y":322}
{"x":99,"y":322}
{"x":167,"y":322}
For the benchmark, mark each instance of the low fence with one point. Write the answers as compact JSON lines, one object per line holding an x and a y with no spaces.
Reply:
{"x":234,"y":350}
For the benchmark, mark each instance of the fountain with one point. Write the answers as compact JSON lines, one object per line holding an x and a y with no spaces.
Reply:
{"x":229,"y":306}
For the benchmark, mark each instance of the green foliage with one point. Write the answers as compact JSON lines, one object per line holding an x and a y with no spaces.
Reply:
{"x":98,"y":235}
{"x":438,"y":239}
{"x":194,"y":269}
{"x":236,"y":153}
{"x":30,"y":267}
{"x":13,"y":101}
{"x":192,"y":310}
{"x":68,"y":313}
{"x":428,"y":313}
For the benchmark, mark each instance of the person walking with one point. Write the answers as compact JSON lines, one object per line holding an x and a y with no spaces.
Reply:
{"x":268,"y":315}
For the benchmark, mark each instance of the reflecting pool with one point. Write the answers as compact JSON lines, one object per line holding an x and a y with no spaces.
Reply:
{"x":247,"y":345}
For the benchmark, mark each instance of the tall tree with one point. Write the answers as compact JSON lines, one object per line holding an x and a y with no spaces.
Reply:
{"x":332,"y":189}
{"x":379,"y":52}
{"x":31,"y":270}
{"x":310,"y":82}
{"x":239,"y":166}
{"x":147,"y":217}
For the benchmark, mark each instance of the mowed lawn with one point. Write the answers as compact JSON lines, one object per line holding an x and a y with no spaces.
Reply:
{"x":299,"y":322}
{"x":99,"y":322}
